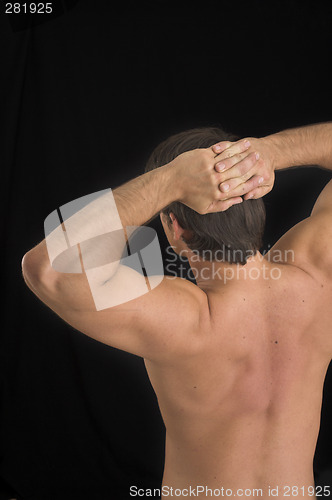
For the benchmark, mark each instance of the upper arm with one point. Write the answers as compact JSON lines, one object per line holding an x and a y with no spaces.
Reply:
{"x":158,"y":324}
{"x":162,"y":323}
{"x":309,"y":242}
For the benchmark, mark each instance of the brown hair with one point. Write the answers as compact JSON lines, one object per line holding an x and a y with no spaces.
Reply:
{"x":236,"y":233}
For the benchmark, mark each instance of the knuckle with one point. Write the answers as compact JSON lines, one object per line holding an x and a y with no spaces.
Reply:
{"x":264,"y":173}
{"x":253,"y":158}
{"x":244,"y":166}
{"x":230,"y":154}
{"x":233,"y":184}
{"x":212,"y":177}
{"x":222,"y":178}
{"x":254,"y":181}
{"x":245,"y":177}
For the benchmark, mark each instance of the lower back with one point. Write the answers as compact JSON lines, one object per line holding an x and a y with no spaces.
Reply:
{"x":249,"y":452}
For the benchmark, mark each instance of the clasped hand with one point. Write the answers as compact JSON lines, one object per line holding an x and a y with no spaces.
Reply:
{"x":225,"y":174}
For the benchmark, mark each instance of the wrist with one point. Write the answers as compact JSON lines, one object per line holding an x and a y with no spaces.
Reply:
{"x":280,"y":155}
{"x":173,"y":181}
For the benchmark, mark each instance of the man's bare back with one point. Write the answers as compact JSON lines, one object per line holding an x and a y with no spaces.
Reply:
{"x":242,"y":408}
{"x":238,"y":361}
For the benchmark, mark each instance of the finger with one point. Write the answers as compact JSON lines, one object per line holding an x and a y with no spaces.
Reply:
{"x":255,"y":194}
{"x":244,"y":188}
{"x":232,"y":149}
{"x":241,"y":185}
{"x":237,"y":166}
{"x":222,"y":205}
{"x":221,"y":146}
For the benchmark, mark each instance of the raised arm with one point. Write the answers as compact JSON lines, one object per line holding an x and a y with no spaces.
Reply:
{"x":310,"y":145}
{"x":138,"y":318}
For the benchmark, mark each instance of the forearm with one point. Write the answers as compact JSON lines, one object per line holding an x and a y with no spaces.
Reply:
{"x":132,"y":204}
{"x":140,"y":199}
{"x":310,"y":145}
{"x":56,"y":262}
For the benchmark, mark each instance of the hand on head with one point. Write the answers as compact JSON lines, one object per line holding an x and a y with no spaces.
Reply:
{"x":245,"y":167}
{"x":215,"y":178}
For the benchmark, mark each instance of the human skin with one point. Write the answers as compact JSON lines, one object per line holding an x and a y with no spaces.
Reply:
{"x":238,"y":365}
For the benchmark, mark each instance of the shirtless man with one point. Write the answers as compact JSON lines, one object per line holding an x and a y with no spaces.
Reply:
{"x":238,"y":361}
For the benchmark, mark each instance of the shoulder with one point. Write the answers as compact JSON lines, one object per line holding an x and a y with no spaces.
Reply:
{"x":182,"y":303}
{"x":163,"y":324}
{"x":308,"y":245}
{"x":170,"y":320}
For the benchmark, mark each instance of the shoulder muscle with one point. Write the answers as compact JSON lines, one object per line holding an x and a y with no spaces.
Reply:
{"x":163,"y":322}
{"x":310,"y":241}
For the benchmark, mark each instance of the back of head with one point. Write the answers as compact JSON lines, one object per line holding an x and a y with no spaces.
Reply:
{"x":231,"y":236}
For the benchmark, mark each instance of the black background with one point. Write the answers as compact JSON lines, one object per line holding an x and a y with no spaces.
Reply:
{"x":86,"y":95}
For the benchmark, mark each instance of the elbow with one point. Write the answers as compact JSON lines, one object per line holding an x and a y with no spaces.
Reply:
{"x":31,"y":270}
{"x":37,"y":271}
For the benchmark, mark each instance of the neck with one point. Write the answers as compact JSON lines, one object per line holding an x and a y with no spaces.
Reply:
{"x":210,"y":275}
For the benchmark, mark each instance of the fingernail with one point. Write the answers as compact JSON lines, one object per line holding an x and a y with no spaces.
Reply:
{"x":239,"y":201}
{"x":220,"y":167}
{"x":257,"y":156}
{"x":250,"y":196}
{"x":247,"y":144}
{"x":217,"y":148}
{"x":225,"y":187}
{"x":260,"y":180}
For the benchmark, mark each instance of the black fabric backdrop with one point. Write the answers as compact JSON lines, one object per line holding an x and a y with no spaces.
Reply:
{"x":87,"y":93}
